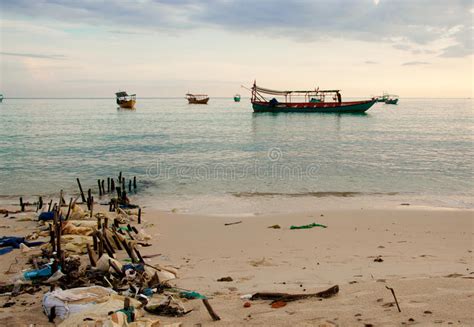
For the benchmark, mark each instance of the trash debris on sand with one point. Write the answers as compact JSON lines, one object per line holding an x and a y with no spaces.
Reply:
{"x":225,"y":279}
{"x":274,"y":226}
{"x":308,"y":226}
{"x":90,"y":259}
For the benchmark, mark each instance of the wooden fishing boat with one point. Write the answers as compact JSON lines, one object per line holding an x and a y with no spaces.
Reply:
{"x":1,"y":98}
{"x":313,"y":101}
{"x":197,"y":98}
{"x":382,"y":97}
{"x":237,"y":98}
{"x":391,"y":99}
{"x":125,"y":101}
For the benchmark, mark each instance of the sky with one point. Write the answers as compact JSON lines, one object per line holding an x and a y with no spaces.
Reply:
{"x":165,"y":48}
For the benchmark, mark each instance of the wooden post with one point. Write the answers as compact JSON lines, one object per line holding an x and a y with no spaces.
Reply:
{"x":89,"y":194}
{"x":103,"y":187}
{"x":99,"y":224}
{"x":140,"y":258}
{"x":130,"y":234}
{"x":94,"y":241}
{"x":69,"y":208}
{"x":139,"y":215}
{"x":135,"y":183}
{"x":124,"y":196}
{"x":92,"y":205}
{"x":116,"y":268}
{"x":52,"y":238}
{"x":22,"y":205}
{"x":110,"y":206}
{"x":129,"y":251}
{"x":108,"y":184}
{"x":109,"y":243}
{"x":80,"y":189}
{"x":105,"y":245}
{"x":54,"y":266}
{"x":100,"y":188}
{"x":106,"y":223}
{"x":91,"y":254}
{"x":40,"y":203}
{"x":101,"y":244}
{"x":112,"y":185}
{"x":117,"y":242}
{"x":130,"y":186}
{"x":132,"y":228}
{"x":49,"y":207}
{"x":211,"y":311}
{"x":61,"y":199}
{"x":120,"y":177}
{"x":119,"y":193}
{"x":57,"y":223}
{"x":123,"y":183}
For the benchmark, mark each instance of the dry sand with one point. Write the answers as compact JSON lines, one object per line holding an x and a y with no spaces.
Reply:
{"x":427,"y":259}
{"x":419,"y":248}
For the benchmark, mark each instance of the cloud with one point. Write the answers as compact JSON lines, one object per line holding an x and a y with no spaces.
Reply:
{"x":415,"y":63}
{"x":414,"y":22}
{"x":33,"y":55}
{"x":464,"y":43}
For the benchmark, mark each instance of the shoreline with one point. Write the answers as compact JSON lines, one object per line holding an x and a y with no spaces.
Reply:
{"x":249,"y":206}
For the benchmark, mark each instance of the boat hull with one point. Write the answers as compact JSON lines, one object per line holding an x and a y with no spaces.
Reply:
{"x":200,"y":101}
{"x":390,"y":101}
{"x":236,"y":99}
{"x":127,"y":104}
{"x":322,"y":107}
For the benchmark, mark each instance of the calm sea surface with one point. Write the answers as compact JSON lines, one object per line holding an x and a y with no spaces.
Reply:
{"x":420,"y":149}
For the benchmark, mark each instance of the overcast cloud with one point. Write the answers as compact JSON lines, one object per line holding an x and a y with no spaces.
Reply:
{"x":401,"y":22}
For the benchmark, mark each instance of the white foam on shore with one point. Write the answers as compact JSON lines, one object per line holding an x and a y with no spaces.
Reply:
{"x":235,"y":206}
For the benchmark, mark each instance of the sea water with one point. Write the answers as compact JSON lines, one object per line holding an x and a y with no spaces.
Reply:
{"x":204,"y":157}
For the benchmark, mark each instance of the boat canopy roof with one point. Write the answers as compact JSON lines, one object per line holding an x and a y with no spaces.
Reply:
{"x":122,"y":94}
{"x":196,"y":95}
{"x":275,"y":92}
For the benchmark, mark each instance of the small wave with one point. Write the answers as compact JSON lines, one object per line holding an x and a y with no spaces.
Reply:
{"x":309,"y":194}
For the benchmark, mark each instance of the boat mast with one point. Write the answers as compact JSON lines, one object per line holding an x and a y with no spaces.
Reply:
{"x":254,"y":90}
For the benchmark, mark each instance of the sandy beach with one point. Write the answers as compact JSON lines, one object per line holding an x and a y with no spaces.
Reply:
{"x":236,"y":163}
{"x":424,"y":255}
{"x":420,"y":249}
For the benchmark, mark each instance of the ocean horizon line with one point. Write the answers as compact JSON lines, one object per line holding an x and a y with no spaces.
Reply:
{"x":182,"y":97}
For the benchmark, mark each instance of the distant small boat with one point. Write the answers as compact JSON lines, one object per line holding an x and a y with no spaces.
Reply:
{"x":126,"y":101}
{"x":391,"y":99}
{"x":382,"y":98}
{"x":197,"y":98}
{"x":314,"y":101}
{"x":237,"y":98}
{"x":1,"y":98}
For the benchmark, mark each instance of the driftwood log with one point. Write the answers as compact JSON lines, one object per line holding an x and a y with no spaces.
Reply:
{"x":234,"y":223}
{"x":330,"y":292}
